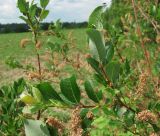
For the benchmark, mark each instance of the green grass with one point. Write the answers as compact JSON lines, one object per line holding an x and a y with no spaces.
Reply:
{"x":10,"y":46}
{"x":9,"y":43}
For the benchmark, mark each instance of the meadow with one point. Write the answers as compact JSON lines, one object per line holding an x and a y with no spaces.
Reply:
{"x":10,"y":46}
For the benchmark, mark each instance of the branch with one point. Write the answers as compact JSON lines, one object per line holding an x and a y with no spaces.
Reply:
{"x":106,"y":77}
{"x":123,"y":104}
{"x":87,"y":106}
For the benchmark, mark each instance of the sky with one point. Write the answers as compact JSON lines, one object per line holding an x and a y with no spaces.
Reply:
{"x":66,"y":10}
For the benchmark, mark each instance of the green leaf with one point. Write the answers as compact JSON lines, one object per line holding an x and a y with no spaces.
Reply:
{"x":95,"y":19}
{"x":27,"y":99}
{"x":44,"y":14}
{"x":95,"y":65}
{"x":100,"y":79}
{"x":153,"y":10}
{"x":114,"y":123}
{"x":127,"y":66}
{"x":158,"y":14}
{"x":157,"y":106}
{"x":86,"y":123}
{"x":37,"y":94}
{"x":38,"y":12}
{"x":111,"y":91}
{"x":19,"y":86}
{"x":25,"y":20}
{"x":97,"y":40}
{"x":90,"y":92}
{"x":107,"y":111}
{"x":155,"y":127}
{"x":83,"y":113}
{"x":109,"y":53}
{"x":113,"y":71}
{"x":48,"y":92}
{"x":129,"y":118}
{"x":23,"y":6}
{"x":70,"y":89}
{"x":35,"y":128}
{"x":32,"y":11}
{"x":54,"y":46}
{"x":44,"y":3}
{"x":99,"y":95}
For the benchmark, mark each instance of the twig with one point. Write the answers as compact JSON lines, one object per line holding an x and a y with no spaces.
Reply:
{"x":119,"y":54}
{"x":106,"y":77}
{"x":87,"y":106}
{"x":38,"y":56}
{"x":123,"y":104}
{"x":39,"y":115}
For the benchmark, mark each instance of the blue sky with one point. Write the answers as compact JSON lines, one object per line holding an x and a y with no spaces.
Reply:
{"x":66,"y":10}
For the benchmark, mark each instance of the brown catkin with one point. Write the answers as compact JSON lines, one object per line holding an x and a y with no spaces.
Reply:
{"x":158,"y":39}
{"x":33,"y":75}
{"x":56,"y":124}
{"x":146,"y":40}
{"x":90,"y":115}
{"x":77,"y":63}
{"x":24,"y":42}
{"x":142,"y":84}
{"x":76,"y":129}
{"x":38,"y":45}
{"x":153,"y":134}
{"x":158,"y":92}
{"x":147,"y":115}
{"x":87,"y":56}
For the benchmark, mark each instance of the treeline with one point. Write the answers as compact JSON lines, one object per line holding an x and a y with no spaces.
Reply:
{"x":18,"y":28}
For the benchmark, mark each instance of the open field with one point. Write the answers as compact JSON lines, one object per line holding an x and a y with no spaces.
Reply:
{"x":10,"y":46}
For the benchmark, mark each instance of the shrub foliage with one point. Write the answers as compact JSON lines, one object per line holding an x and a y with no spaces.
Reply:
{"x":120,"y":97}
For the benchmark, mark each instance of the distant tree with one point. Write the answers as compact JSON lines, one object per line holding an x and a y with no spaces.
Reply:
{"x":45,"y":26}
{"x":19,"y":28}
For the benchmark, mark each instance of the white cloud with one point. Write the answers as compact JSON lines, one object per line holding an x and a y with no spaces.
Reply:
{"x":66,"y":10}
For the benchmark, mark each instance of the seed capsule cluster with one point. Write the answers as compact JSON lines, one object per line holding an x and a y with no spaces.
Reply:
{"x":76,"y":129}
{"x":142,"y":83}
{"x":56,"y":124}
{"x":147,"y":115}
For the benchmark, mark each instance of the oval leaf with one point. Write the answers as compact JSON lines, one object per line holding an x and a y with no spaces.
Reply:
{"x":35,"y":128}
{"x":113,"y":71}
{"x":109,"y":53}
{"x":95,"y":19}
{"x":44,"y":3}
{"x":48,"y":92}
{"x":27,"y":99}
{"x":37,"y":94}
{"x":90,"y":92}
{"x":23,"y":6}
{"x":97,"y":41}
{"x":94,"y":64}
{"x":70,"y":89}
{"x":44,"y":14}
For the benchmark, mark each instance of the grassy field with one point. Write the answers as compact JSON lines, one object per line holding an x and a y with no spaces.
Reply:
{"x":9,"y":46}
